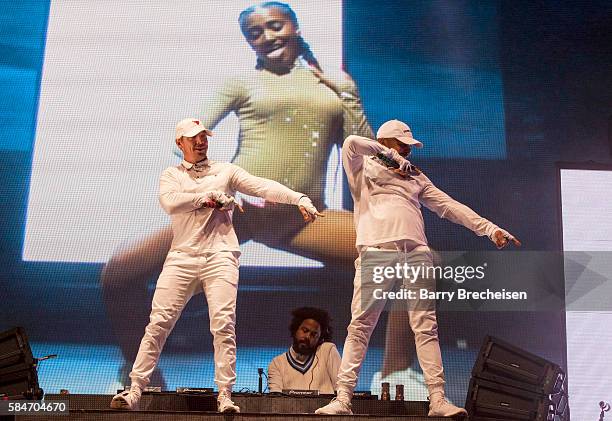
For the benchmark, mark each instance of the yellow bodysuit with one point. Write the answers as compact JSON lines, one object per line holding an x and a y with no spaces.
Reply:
{"x":288,"y":124}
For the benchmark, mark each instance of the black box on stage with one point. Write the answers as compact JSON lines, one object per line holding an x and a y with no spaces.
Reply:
{"x":18,"y":375}
{"x":21,"y":383}
{"x":493,"y":401}
{"x":14,"y":348}
{"x":498,"y":361}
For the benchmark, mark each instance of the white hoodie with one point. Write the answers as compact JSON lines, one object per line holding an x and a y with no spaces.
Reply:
{"x":387,"y":206}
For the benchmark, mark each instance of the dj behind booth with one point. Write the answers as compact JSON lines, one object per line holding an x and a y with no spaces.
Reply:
{"x":312,"y":361}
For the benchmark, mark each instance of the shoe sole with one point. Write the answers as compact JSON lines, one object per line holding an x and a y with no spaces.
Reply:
{"x":449,"y":415}
{"x":120,"y":403}
{"x":335,"y":413}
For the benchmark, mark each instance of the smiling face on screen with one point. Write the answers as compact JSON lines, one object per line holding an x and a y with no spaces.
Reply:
{"x":273,"y":35}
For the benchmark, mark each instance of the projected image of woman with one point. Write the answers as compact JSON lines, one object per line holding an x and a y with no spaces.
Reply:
{"x":291,"y":115}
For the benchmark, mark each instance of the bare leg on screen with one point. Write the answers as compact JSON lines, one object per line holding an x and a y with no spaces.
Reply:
{"x":124,"y":283}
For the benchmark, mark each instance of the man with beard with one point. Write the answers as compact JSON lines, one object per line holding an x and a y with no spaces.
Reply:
{"x":312,"y":362}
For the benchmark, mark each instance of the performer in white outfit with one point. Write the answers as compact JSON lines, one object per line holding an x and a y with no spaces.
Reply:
{"x":198,"y":196}
{"x":312,"y":361}
{"x":387,"y":219}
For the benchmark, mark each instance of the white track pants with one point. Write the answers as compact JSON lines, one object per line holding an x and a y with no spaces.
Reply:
{"x":363,"y":321}
{"x":183,"y":276}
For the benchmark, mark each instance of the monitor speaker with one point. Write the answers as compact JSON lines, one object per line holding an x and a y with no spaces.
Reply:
{"x":509,"y":383}
{"x":18,"y":375}
{"x":501,"y":362}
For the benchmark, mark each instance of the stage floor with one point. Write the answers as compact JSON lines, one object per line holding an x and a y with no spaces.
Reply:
{"x":173,"y":406}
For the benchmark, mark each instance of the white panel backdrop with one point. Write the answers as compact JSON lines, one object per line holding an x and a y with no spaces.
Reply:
{"x":586,"y":201}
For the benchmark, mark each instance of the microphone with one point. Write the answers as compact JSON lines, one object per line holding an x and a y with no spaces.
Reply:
{"x":260,"y":381}
{"x":390,"y":163}
{"x":387,"y":161}
{"x":46,"y":357}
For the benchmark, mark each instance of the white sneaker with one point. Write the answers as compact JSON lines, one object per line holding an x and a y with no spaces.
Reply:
{"x":335,"y":407}
{"x":127,"y":400}
{"x":415,"y":388}
{"x":440,"y":407}
{"x":225,"y":404}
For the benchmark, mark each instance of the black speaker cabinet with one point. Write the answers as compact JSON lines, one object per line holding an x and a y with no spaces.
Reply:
{"x":493,"y":401}
{"x":18,"y":375}
{"x":498,"y":361}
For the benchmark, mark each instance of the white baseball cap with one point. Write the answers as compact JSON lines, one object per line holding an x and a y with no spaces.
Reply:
{"x":399,"y":130}
{"x":189,"y":127}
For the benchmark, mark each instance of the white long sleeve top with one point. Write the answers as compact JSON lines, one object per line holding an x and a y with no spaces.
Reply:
{"x":196,"y":229}
{"x":387,"y":206}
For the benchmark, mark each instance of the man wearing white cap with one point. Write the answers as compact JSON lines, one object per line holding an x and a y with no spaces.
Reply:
{"x":386,"y":192}
{"x":198,"y":196}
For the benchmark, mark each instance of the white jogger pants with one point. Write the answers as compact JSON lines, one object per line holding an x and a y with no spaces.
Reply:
{"x":183,"y":276}
{"x":363,"y":321}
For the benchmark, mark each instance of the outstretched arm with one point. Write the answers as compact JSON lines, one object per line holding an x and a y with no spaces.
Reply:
{"x":446,"y":207}
{"x":272,"y":191}
{"x":354,"y":119}
{"x":229,"y":97}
